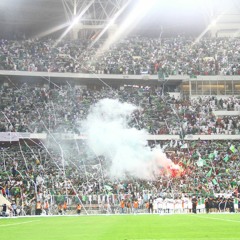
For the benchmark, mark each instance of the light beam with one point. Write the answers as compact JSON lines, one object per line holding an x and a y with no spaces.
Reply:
{"x":74,"y":22}
{"x":140,"y":10}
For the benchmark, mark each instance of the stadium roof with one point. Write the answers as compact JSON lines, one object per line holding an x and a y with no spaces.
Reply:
{"x":32,"y":17}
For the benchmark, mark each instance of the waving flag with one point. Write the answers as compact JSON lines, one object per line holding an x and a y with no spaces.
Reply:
{"x":232,"y":148}
{"x":209,"y":173}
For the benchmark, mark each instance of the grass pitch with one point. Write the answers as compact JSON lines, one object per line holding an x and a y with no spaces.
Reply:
{"x":122,"y":227}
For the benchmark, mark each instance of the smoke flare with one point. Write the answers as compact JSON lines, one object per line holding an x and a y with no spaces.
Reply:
{"x":126,"y":148}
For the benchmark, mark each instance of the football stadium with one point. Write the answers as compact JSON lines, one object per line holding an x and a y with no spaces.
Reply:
{"x":119,"y":119}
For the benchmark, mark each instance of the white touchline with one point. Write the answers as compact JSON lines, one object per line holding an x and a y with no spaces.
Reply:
{"x":181,"y":238}
{"x":221,"y":219}
{"x":12,"y":224}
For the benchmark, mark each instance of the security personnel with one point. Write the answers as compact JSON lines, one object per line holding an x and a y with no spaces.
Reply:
{"x":135,"y":206}
{"x":60,"y":209}
{"x":79,"y":207}
{"x":46,"y":207}
{"x":38,"y":208}
{"x":129,"y":206}
{"x":122,"y":206}
{"x":64,"y":207}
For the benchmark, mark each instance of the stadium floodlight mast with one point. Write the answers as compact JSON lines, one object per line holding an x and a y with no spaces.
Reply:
{"x":95,"y":14}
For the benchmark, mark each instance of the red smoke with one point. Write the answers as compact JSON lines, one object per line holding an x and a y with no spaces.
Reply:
{"x":175,"y":171}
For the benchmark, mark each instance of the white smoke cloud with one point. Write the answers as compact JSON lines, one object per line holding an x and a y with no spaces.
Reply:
{"x":108,"y":134}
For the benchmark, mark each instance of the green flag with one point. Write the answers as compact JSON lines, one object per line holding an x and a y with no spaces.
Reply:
{"x":226,"y":158}
{"x":214,"y":181}
{"x":195,"y":155}
{"x":107,"y":187}
{"x":209,"y":173}
{"x":211,"y":156}
{"x":185,"y":145}
{"x":200,"y":163}
{"x":232,"y":148}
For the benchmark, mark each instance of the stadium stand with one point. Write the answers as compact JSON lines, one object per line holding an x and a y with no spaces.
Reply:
{"x":135,"y":55}
{"x":32,"y":170}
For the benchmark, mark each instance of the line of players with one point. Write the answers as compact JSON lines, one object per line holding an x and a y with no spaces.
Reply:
{"x":193,"y":205}
{"x":157,"y":205}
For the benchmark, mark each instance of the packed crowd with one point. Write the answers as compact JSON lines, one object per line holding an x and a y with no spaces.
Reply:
{"x":133,"y":55}
{"x":25,"y":108}
{"x":32,"y":172}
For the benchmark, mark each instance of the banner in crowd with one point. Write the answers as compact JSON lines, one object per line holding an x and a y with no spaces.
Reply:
{"x":9,"y":136}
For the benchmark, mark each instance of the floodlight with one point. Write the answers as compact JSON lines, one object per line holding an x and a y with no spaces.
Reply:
{"x":75,"y":21}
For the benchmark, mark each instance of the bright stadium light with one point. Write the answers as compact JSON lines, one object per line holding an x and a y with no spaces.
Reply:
{"x":111,"y":22}
{"x":141,"y":9}
{"x":74,"y":22}
{"x":213,"y":23}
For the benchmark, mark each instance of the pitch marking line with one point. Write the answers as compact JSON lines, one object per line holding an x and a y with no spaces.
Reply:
{"x":12,"y":224}
{"x":221,"y":219}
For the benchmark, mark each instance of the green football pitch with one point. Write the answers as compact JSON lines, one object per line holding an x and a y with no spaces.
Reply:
{"x":125,"y":227}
